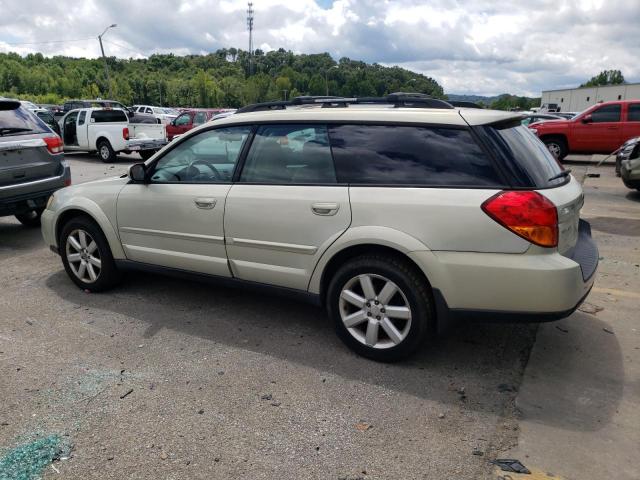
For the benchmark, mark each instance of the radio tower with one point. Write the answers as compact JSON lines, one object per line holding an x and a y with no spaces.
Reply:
{"x":250,"y":27}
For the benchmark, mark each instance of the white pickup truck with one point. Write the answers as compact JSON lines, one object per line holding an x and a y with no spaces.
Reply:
{"x":108,"y":132}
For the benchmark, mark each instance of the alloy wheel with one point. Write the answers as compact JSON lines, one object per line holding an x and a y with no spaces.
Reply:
{"x":83,"y":256}
{"x":554,"y":148}
{"x":375,"y":311}
{"x":104,"y":152}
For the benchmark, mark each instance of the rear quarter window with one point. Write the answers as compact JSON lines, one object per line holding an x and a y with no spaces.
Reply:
{"x":523,"y":155}
{"x":410,"y":155}
{"x":104,"y":116}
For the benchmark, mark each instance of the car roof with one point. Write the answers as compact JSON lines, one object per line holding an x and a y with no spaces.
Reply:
{"x":453,"y":116}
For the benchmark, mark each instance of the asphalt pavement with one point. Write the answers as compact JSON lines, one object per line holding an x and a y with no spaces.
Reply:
{"x":163,"y":378}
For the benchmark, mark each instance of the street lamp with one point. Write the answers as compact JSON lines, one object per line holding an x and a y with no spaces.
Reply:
{"x":326,"y":79}
{"x":106,"y":67}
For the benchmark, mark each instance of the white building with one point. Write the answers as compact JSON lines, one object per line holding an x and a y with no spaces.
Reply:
{"x":578,"y":99}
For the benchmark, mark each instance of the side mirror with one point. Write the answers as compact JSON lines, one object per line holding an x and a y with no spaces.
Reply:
{"x":587,"y":119}
{"x":137,"y":172}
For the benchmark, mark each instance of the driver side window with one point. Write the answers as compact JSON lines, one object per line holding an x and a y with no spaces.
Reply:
{"x":184,"y":119}
{"x":208,"y":157}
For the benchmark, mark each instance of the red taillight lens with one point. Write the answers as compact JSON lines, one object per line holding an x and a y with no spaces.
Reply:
{"x":527,"y":214}
{"x":54,"y":144}
{"x":125,"y":133}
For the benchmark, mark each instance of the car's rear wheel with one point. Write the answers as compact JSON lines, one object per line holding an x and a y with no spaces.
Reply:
{"x":105,"y":151}
{"x":30,"y":219}
{"x":557,"y":146}
{"x":86,"y":255}
{"x":381,"y":307}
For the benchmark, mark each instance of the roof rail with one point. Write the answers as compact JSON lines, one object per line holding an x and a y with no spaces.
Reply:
{"x":398,"y":99}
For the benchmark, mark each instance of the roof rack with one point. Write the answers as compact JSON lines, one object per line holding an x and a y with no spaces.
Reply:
{"x":397,"y":99}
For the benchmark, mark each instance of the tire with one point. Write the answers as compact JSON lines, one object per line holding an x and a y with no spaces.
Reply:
{"x":30,"y":219}
{"x":618,"y":166}
{"x":105,"y":151}
{"x":557,"y":146}
{"x":147,"y":154}
{"x":106,"y":274}
{"x":412,"y":292}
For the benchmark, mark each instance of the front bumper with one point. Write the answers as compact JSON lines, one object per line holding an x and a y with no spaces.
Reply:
{"x":630,"y":171}
{"x":535,"y":286}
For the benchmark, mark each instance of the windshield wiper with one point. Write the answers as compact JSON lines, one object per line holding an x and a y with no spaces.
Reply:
{"x":562,"y":174}
{"x":13,"y":130}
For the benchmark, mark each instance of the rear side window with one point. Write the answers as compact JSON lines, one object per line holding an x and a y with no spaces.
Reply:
{"x":608,"y":113}
{"x":82,"y":117}
{"x":20,"y":121}
{"x":104,"y":116}
{"x":634,"y":112}
{"x":290,"y":154}
{"x":408,"y":155}
{"x":524,"y":155}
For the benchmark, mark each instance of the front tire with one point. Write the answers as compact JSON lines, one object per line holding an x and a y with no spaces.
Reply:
{"x":557,"y":146}
{"x":30,"y":219}
{"x":86,"y":255}
{"x":381,"y":306}
{"x":105,"y":151}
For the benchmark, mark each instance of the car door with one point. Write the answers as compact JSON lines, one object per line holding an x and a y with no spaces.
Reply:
{"x":176,"y":219}
{"x":631,"y":127}
{"x":599,"y":131}
{"x":286,"y":207}
{"x":81,"y":130}
{"x":69,"y":130}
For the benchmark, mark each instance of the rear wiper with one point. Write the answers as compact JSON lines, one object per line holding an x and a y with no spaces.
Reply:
{"x":13,"y":130}
{"x":562,"y":174}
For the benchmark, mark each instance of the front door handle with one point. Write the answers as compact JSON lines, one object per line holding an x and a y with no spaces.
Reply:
{"x":325,"y":209}
{"x":205,"y":203}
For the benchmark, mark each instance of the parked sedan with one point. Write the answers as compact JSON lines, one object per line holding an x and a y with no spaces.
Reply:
{"x":539,"y":117}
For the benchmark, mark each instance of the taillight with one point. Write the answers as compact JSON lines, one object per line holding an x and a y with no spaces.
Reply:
{"x":125,"y":133}
{"x":527,"y":214}
{"x":54,"y":144}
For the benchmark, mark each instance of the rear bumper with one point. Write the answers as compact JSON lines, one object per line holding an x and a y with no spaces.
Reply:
{"x":27,"y":196}
{"x":145,"y":144}
{"x":532,"y":287}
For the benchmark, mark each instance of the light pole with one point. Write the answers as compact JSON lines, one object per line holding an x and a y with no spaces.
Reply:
{"x":326,"y":79}
{"x":106,"y":67}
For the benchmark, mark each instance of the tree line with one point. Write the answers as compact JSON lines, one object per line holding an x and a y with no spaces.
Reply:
{"x":225,"y":78}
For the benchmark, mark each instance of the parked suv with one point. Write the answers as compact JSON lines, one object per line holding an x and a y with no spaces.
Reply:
{"x":397,"y":214}
{"x":32,"y":163}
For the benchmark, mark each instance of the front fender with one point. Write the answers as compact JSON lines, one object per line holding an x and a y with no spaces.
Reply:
{"x":364,"y":235}
{"x":93,"y":210}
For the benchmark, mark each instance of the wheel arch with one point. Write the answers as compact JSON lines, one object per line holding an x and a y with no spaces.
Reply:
{"x":92,"y":211}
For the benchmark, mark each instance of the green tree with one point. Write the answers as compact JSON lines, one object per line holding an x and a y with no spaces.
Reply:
{"x":606,"y":77}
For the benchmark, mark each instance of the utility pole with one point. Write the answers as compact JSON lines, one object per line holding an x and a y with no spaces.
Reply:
{"x":106,"y":66}
{"x":250,"y":27}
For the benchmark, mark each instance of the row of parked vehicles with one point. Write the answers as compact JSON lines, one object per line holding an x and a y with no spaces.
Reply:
{"x":397,"y":214}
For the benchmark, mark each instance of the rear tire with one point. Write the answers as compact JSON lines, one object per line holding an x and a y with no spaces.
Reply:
{"x":30,"y":219}
{"x":105,"y":151}
{"x":86,"y":255}
{"x":557,"y":146}
{"x":369,"y":328}
{"x":147,"y":154}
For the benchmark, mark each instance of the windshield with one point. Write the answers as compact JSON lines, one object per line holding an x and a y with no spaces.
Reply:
{"x":524,"y":152}
{"x":20,"y":122}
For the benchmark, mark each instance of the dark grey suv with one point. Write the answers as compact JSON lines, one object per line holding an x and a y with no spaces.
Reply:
{"x":32,"y":163}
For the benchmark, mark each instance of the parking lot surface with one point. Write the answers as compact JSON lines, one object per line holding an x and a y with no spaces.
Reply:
{"x":163,"y":378}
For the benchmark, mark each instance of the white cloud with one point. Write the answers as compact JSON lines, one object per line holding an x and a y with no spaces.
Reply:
{"x":471,"y":46}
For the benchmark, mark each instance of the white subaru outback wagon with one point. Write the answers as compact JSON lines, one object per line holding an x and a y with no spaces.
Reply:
{"x":398,"y":214}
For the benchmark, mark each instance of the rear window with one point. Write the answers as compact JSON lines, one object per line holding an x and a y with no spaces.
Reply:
{"x":410,"y":155}
{"x":20,"y":121}
{"x":528,"y":159}
{"x":103,"y":116}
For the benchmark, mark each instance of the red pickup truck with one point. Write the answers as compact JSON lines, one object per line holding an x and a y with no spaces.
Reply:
{"x":190,"y":118}
{"x":599,"y":129}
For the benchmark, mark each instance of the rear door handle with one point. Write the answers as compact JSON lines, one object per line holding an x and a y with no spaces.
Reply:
{"x":325,"y":209}
{"x":205,"y":203}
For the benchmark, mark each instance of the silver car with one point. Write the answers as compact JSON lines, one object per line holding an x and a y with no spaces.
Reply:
{"x":397,"y":214}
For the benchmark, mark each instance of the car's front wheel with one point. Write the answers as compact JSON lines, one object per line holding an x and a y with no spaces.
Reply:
{"x":86,"y":255}
{"x":381,"y":307}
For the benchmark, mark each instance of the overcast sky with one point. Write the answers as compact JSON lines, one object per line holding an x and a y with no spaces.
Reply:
{"x":469,"y":46}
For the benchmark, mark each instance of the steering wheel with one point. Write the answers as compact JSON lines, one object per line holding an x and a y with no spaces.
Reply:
{"x":214,"y":170}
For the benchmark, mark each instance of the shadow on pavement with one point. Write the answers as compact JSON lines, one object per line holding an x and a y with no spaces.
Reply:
{"x":482,"y":358}
{"x":16,"y":238}
{"x":575,"y":377}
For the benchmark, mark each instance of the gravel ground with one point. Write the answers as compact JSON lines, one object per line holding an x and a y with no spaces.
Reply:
{"x":163,"y":378}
